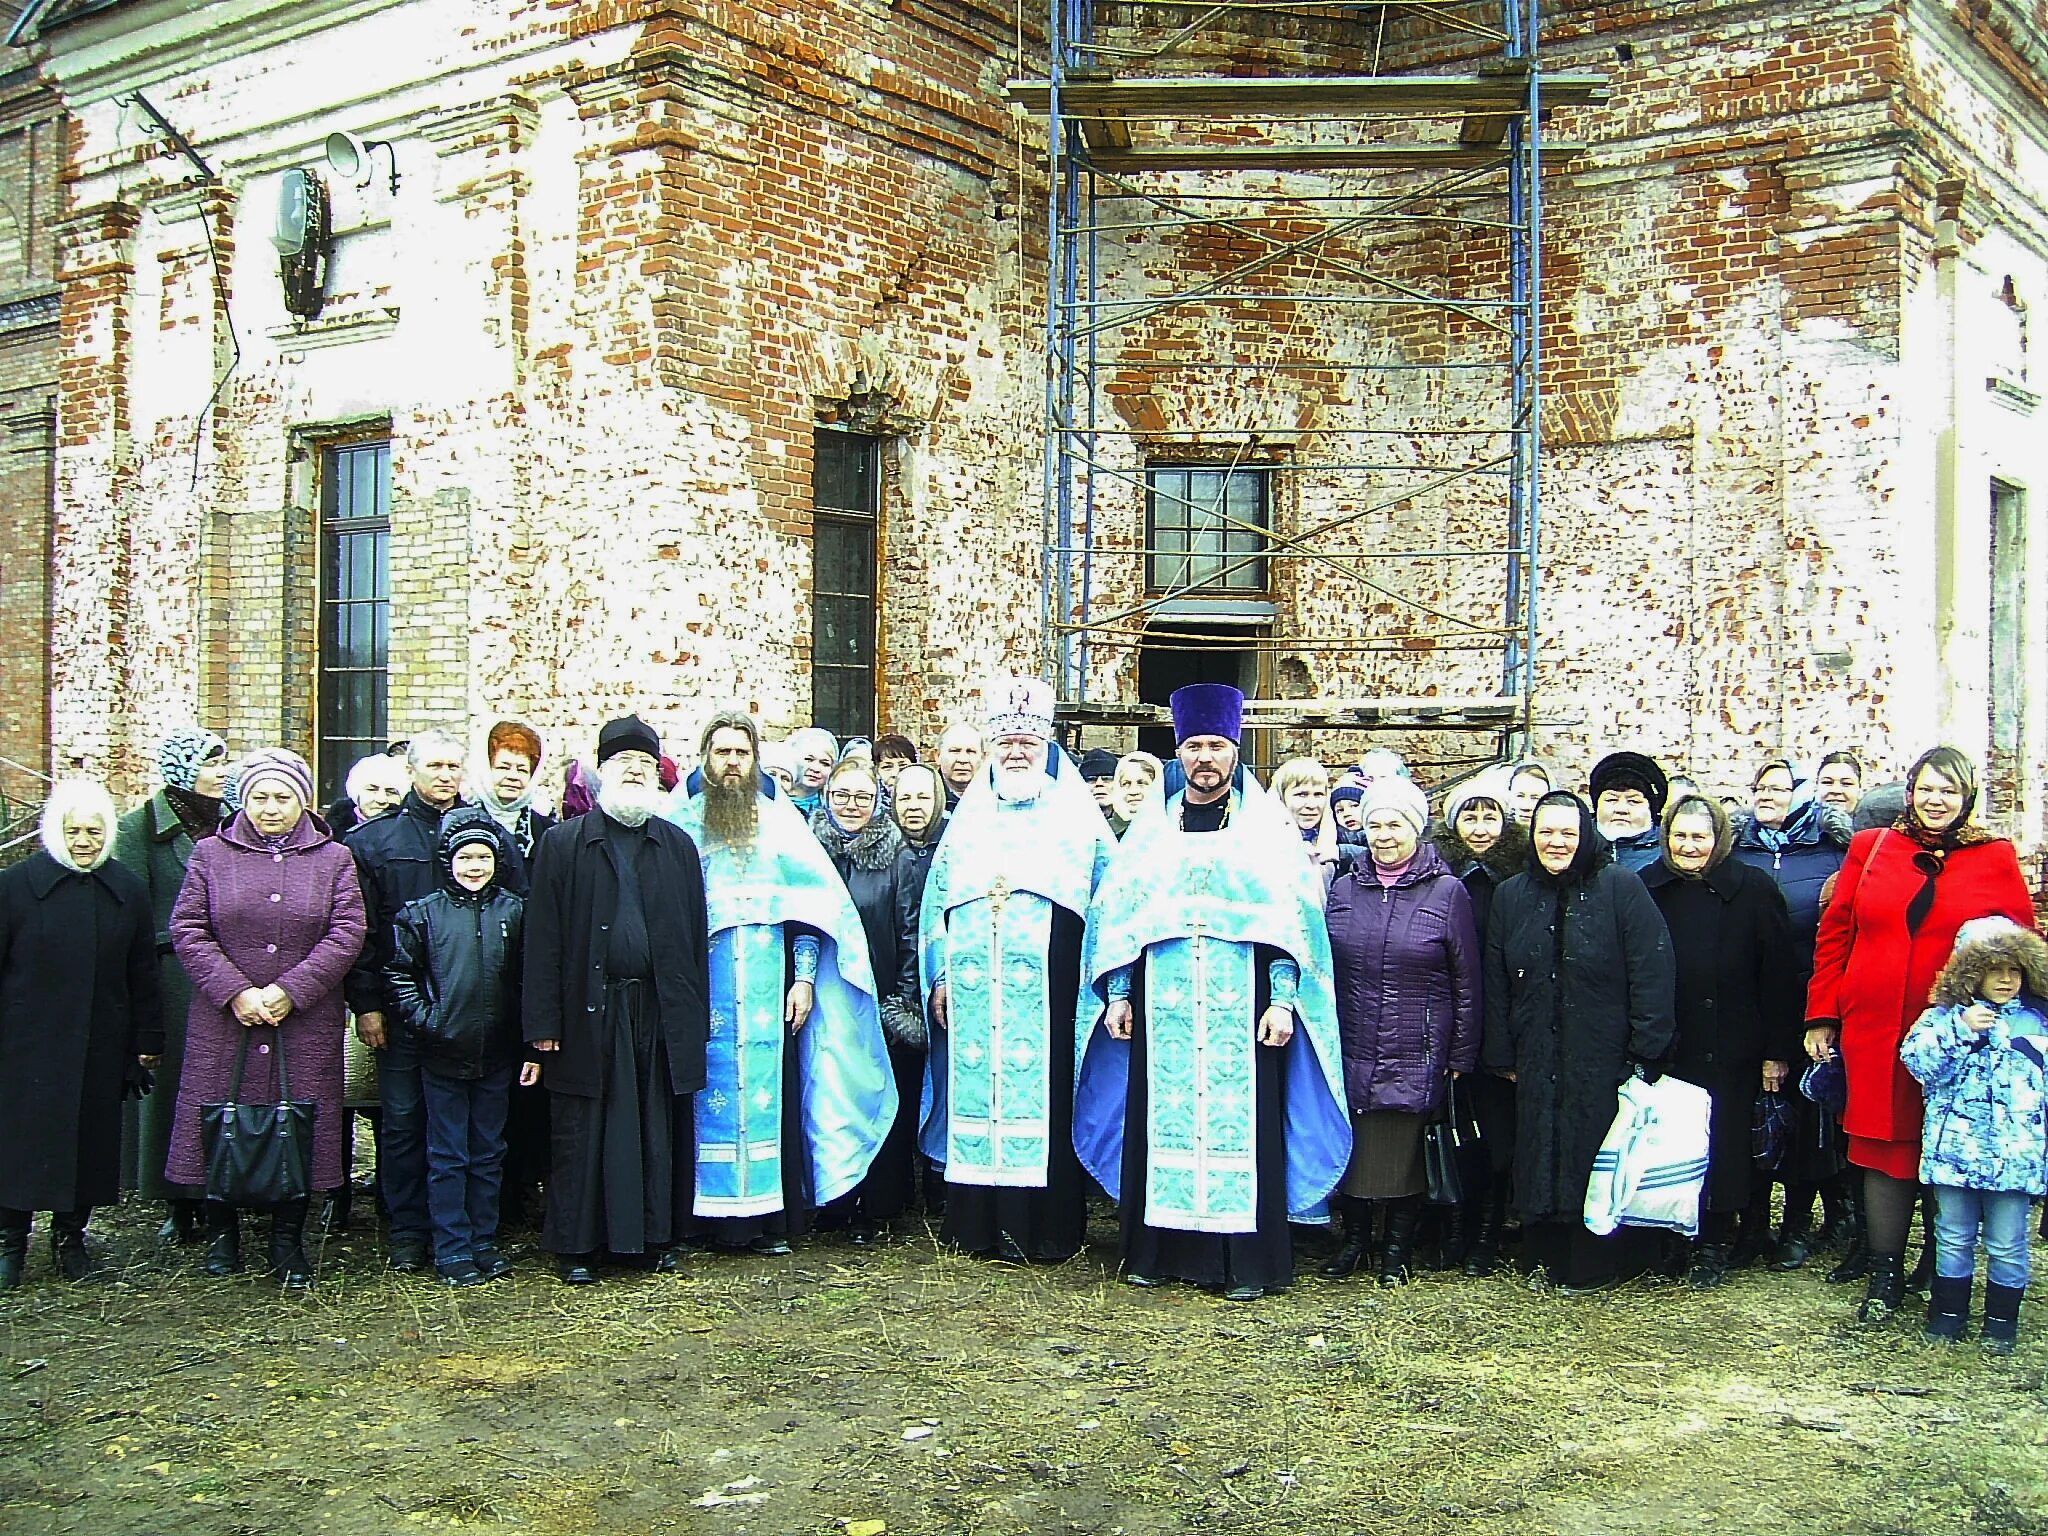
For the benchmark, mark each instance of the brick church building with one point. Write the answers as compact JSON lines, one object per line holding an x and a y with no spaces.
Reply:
{"x":657,"y":353}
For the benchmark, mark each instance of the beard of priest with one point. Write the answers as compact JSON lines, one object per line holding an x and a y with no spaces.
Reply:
{"x":732,"y":809}
{"x":1210,"y":763}
{"x":629,"y":789}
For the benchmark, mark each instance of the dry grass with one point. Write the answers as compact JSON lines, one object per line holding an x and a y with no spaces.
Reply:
{"x":756,"y":1395}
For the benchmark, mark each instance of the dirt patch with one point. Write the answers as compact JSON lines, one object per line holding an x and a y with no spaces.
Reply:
{"x":907,"y":1385}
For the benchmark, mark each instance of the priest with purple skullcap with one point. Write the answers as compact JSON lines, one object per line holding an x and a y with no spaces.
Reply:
{"x":1209,"y":1100}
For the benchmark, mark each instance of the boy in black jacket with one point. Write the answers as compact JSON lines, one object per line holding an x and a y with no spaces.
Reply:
{"x":454,"y":977}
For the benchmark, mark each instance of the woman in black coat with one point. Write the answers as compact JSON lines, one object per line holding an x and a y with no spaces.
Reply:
{"x":885,"y":883}
{"x":1741,"y":1009}
{"x":1800,"y":844}
{"x":80,"y":1021}
{"x":1579,"y":992}
{"x":1484,"y":844}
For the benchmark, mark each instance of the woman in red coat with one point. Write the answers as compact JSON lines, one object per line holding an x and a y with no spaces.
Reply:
{"x":1903,"y":892}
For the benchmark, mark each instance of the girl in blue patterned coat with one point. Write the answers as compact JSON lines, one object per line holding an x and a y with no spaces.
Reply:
{"x":1981,"y":1055}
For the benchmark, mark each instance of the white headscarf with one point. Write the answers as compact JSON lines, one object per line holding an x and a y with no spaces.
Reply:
{"x":85,"y":800}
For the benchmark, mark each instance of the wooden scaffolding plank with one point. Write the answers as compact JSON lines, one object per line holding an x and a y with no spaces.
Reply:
{"x":1317,"y":157}
{"x":1425,"y":714}
{"x":1412,"y":96}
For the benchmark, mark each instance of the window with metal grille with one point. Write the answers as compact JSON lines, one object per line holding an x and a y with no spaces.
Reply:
{"x":846,"y":499}
{"x":1205,"y":529}
{"x":355,"y":608}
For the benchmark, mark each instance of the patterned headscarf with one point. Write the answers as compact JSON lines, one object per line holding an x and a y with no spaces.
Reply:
{"x":180,"y":754}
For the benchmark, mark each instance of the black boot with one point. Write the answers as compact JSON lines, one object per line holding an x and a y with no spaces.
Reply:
{"x":1887,"y":1290}
{"x":2002,"y":1318}
{"x":1838,"y":1205}
{"x":335,"y":1214}
{"x":181,"y":1223}
{"x":1923,"y":1267}
{"x":1484,"y":1256}
{"x":1753,"y":1234}
{"x":1948,"y":1308}
{"x":1357,"y":1245}
{"x":288,"y":1265}
{"x":1396,"y":1263}
{"x":67,"y":1244}
{"x":1856,"y":1260}
{"x":223,"y":1240}
{"x":1710,"y":1266}
{"x":13,"y":1246}
{"x":1459,"y":1221}
{"x":1795,"y":1235}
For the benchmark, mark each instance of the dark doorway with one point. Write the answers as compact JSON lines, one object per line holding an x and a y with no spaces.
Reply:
{"x":1182,"y":651}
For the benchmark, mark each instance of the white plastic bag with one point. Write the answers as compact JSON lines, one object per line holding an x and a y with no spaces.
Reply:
{"x":1652,"y":1167}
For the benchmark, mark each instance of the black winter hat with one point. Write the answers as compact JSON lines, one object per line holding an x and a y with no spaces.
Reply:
{"x":1098,"y":763}
{"x":1631,"y":770}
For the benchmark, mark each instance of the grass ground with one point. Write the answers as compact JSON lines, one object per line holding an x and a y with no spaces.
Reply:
{"x":931,"y":1393}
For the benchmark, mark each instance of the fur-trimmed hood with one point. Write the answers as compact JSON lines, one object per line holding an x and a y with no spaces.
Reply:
{"x":874,"y":847}
{"x":1983,"y":943}
{"x":1508,"y":856}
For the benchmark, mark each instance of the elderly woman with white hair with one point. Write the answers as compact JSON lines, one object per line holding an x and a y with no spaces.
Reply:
{"x":80,"y":1022}
{"x":268,"y":923}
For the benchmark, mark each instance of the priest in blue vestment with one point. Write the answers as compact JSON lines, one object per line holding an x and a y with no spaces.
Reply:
{"x":798,"y":1091}
{"x":1209,"y":1098}
{"x":1000,"y":947}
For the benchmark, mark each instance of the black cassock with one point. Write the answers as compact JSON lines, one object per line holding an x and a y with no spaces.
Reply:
{"x":616,"y":940}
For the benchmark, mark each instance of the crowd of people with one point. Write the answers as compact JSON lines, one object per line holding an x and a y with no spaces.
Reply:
{"x":740,"y":991}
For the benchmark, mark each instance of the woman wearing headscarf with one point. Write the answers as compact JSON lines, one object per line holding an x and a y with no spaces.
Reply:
{"x":268,"y":923}
{"x":153,"y":842}
{"x":866,"y":848}
{"x":1484,"y":843}
{"x":80,"y":1023}
{"x":1799,"y":841}
{"x":1579,"y":992}
{"x":1903,"y":892}
{"x":1739,"y":1005}
{"x":1407,"y":980}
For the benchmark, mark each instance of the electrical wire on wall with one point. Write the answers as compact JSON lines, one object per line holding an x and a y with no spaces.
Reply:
{"x":220,"y":294}
{"x":176,"y":146}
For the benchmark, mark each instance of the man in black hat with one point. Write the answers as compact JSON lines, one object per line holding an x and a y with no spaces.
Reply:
{"x":1628,"y":806}
{"x":1098,"y":772}
{"x":616,"y":1002}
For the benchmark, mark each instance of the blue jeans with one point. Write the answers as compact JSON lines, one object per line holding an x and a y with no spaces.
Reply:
{"x":2000,"y":1215}
{"x":401,"y":1136}
{"x":465,"y":1159}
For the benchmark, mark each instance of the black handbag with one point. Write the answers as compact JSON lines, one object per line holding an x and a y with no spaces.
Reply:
{"x":1452,"y":1152}
{"x":257,"y":1154}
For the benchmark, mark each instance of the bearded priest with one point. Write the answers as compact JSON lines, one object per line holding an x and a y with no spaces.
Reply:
{"x":1000,"y":941}
{"x":799,"y":1092}
{"x":1210,"y":1091}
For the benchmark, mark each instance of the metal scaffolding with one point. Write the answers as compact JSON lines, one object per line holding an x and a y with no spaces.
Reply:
{"x":1301,"y":175}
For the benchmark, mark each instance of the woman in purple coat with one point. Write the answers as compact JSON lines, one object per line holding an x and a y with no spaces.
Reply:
{"x":268,"y":922}
{"x":1408,"y":964}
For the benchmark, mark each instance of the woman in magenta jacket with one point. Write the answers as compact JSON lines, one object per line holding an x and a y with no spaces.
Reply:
{"x":267,"y":923}
{"x":1408,"y":964}
{"x":1903,"y":892}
